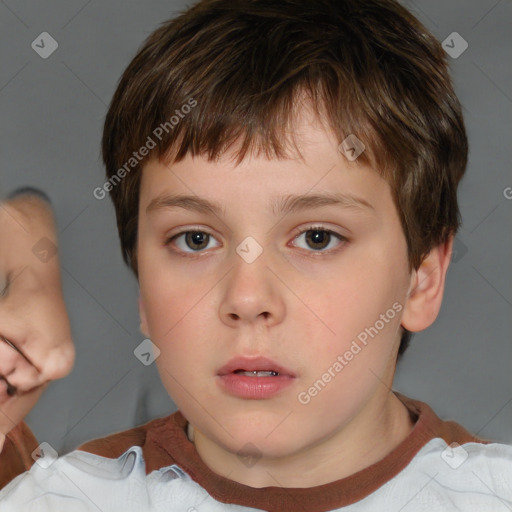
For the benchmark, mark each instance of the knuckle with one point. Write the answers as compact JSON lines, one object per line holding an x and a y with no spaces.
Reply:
{"x":60,"y":362}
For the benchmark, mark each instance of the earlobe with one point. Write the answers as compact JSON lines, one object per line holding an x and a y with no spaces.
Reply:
{"x":143,"y":322}
{"x":426,"y":289}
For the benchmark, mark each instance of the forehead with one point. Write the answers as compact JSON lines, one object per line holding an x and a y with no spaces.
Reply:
{"x":263,"y":189}
{"x":315,"y":173}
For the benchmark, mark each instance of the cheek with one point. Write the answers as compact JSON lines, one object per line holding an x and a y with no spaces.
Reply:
{"x":168,"y":299}
{"x":354,"y":299}
{"x":362,"y":310}
{"x":179,"y":318}
{"x":187,"y":361}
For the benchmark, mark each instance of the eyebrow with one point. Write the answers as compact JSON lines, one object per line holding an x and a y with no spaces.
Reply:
{"x":280,"y":206}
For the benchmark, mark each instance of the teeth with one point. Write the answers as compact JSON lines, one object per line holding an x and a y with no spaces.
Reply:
{"x":258,"y":373}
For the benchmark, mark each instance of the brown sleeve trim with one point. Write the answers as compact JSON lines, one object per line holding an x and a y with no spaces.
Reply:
{"x":115,"y":445}
{"x":16,"y":456}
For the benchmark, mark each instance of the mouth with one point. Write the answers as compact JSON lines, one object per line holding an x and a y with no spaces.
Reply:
{"x":257,"y":373}
{"x":255,"y":367}
{"x":254,"y":379}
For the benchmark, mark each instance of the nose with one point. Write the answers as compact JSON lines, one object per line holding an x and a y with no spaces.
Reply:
{"x":252,"y":293}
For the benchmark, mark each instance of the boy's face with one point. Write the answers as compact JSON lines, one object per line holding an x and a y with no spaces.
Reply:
{"x":301,"y":303}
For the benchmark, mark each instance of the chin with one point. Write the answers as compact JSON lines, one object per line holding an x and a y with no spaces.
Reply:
{"x":269,"y":443}
{"x":251,"y":434}
{"x":257,"y":446}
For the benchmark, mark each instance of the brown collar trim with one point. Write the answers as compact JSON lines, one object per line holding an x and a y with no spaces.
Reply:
{"x":172,"y":438}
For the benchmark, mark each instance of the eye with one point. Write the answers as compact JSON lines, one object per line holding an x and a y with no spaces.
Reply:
{"x":318,"y":238}
{"x":194,"y":241}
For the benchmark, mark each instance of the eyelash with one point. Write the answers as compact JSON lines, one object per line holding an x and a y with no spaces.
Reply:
{"x":298,"y":233}
{"x":341,"y":240}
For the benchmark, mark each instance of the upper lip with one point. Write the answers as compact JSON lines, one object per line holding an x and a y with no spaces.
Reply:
{"x":251,"y":364}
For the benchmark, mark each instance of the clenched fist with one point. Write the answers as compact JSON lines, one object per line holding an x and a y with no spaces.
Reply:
{"x":35,"y":337}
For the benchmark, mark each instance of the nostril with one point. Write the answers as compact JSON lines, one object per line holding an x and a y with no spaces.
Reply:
{"x":11,"y":390}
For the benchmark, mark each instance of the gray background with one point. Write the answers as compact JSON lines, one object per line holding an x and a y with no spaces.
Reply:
{"x":51,"y":113}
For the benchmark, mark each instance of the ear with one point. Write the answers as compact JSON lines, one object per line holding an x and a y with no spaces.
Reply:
{"x":143,"y":321}
{"x":426,"y":289}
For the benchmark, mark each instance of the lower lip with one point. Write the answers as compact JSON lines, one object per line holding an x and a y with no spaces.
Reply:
{"x":255,"y":388}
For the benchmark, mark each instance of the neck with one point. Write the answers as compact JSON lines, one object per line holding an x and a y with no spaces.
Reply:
{"x":347,"y":451}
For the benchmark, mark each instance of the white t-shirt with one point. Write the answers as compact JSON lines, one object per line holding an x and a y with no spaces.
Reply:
{"x":470,"y":477}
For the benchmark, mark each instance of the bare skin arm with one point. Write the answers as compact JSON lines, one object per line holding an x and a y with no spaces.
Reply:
{"x":35,"y":337}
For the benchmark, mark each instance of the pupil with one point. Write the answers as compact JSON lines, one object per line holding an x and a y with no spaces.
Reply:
{"x":197,"y":238}
{"x":318,"y":239}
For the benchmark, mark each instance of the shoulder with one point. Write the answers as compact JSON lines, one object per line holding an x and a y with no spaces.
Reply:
{"x":158,"y":439}
{"x":429,"y":426}
{"x":16,"y":454}
{"x":86,"y":482}
{"x":116,"y":444}
{"x":471,"y":476}
{"x":109,"y":473}
{"x":449,"y":465}
{"x":457,"y":459}
{"x":78,"y":479}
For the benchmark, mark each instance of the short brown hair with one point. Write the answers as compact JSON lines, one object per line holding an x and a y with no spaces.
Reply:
{"x":368,"y":67}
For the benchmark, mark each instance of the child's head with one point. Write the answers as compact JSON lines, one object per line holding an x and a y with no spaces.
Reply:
{"x":244,"y":102}
{"x":240,"y":71}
